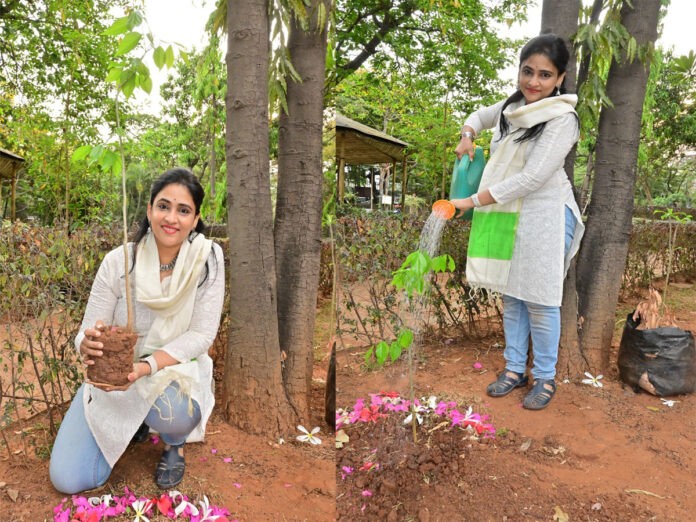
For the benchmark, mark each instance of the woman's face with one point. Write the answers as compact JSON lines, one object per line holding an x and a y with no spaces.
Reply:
{"x":172,"y":216}
{"x":538,"y":77}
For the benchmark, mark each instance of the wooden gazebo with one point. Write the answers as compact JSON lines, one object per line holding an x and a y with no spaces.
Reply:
{"x":358,"y":144}
{"x":10,"y":165}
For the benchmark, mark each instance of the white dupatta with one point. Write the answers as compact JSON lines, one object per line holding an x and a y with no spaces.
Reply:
{"x":172,"y":307}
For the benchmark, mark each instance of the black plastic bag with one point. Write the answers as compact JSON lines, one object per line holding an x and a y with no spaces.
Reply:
{"x":659,"y":360}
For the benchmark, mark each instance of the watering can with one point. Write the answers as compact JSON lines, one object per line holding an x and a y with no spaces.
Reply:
{"x":466,"y":177}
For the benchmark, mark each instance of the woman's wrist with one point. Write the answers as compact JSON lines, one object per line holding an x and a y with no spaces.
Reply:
{"x":152,"y":364}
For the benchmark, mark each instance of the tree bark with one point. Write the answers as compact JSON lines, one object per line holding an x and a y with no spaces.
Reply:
{"x":605,"y":247}
{"x":299,"y":206}
{"x":562,"y":20}
{"x":253,"y":395}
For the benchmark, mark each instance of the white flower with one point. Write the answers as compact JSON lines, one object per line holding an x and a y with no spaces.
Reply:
{"x":206,"y":513}
{"x":593,"y":381}
{"x":668,"y":402}
{"x":432,"y":402}
{"x":417,"y":409}
{"x":410,"y":418}
{"x":308,"y":436}
{"x":140,"y":507}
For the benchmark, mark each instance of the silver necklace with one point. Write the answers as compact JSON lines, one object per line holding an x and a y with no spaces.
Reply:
{"x":169,"y":266}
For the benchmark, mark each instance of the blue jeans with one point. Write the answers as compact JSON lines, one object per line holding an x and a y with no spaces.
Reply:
{"x":522,"y":318}
{"x":77,"y":463}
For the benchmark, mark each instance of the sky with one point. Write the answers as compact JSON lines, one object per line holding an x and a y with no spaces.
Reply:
{"x":183,"y":22}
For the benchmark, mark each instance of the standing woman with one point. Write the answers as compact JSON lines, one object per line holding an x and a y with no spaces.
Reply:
{"x":527,"y":225}
{"x":179,"y":284}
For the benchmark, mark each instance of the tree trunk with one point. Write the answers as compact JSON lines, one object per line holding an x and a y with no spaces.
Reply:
{"x":562,"y":20}
{"x":603,"y":253}
{"x":299,"y":207}
{"x":253,"y":396}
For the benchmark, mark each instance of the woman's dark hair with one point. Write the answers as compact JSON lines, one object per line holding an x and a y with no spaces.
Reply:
{"x":554,"y":48}
{"x":179,"y":176}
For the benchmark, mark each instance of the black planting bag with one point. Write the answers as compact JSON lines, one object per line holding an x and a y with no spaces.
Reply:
{"x":666,"y":356}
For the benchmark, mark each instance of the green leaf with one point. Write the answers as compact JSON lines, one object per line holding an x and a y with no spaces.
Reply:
{"x":394,"y":351}
{"x":382,"y":352}
{"x":128,"y":43}
{"x":129,"y":86}
{"x":120,"y":26}
{"x":169,"y":56}
{"x":368,"y":355}
{"x":107,"y":160}
{"x":81,"y":152}
{"x":134,"y":19}
{"x":405,"y":338}
{"x":95,"y":154}
{"x":159,"y":57}
{"x":146,"y":84}
{"x":117,"y":167}
{"x":114,"y":74}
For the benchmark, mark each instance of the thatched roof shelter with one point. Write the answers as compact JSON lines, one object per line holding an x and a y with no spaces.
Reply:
{"x":358,"y":144}
{"x":10,"y":165}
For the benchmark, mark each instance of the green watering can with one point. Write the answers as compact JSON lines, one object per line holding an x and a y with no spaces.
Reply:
{"x":466,"y":177}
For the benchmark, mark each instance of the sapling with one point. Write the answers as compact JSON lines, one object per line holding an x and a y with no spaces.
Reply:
{"x":674,"y":220}
{"x":127,"y":73}
{"x":413,"y":278}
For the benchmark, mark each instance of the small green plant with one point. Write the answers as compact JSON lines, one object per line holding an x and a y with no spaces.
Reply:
{"x":413,"y":278}
{"x":674,"y":220}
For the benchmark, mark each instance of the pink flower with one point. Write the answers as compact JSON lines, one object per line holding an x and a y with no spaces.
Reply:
{"x":213,"y":451}
{"x":227,"y":460}
{"x":366,"y":493}
{"x":478,"y":365}
{"x":155,"y":439}
{"x":237,"y":485}
{"x":441,"y":408}
{"x":375,"y":400}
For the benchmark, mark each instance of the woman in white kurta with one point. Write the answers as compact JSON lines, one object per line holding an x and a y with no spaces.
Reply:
{"x":178,"y":282}
{"x":525,"y":182}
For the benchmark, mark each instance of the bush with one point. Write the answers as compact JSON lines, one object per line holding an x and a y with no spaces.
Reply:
{"x":45,"y":279}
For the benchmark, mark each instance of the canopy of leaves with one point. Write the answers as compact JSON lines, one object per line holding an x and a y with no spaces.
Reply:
{"x":666,"y":173}
{"x":414,"y":69}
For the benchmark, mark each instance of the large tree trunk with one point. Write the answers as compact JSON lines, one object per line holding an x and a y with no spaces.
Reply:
{"x":561,"y":18}
{"x":603,"y":254}
{"x":253,"y":396}
{"x":299,"y":206}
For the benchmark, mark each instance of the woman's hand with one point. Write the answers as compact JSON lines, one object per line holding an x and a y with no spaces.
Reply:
{"x":465,"y":146}
{"x":90,"y":346}
{"x":462,"y":205}
{"x":140,"y":369}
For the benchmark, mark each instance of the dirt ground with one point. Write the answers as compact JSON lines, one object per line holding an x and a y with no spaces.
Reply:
{"x":595,"y":454}
{"x":263,"y":481}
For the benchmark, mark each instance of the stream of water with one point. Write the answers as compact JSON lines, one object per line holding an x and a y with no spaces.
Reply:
{"x":412,"y":310}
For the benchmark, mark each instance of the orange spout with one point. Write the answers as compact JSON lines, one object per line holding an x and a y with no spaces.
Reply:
{"x":444,"y":209}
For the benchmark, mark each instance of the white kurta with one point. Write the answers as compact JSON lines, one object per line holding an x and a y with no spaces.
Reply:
{"x":538,"y":265}
{"x":114,"y":417}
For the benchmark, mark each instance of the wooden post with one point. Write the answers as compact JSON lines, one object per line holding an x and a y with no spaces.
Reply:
{"x":403,"y":184}
{"x":13,"y":194}
{"x":341,"y":189}
{"x":393,"y":184}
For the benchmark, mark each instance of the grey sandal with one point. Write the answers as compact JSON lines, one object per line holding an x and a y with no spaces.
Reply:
{"x":504,"y":384}
{"x":540,"y":396}
{"x":171,"y":467}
